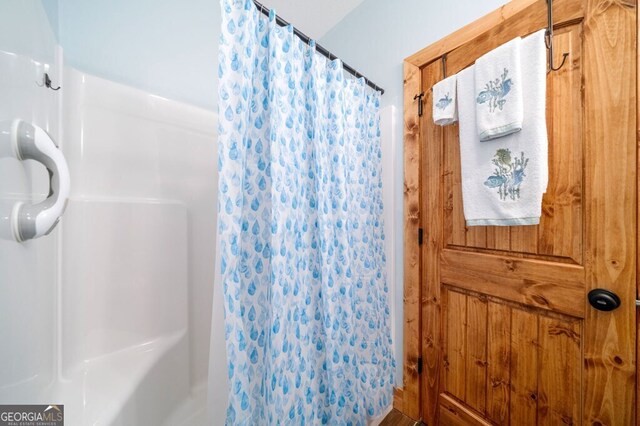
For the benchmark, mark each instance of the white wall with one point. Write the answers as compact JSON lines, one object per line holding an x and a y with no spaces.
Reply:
{"x":374,"y":39}
{"x":168,"y":48}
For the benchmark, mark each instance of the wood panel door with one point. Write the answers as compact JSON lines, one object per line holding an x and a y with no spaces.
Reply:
{"x":508,"y":335}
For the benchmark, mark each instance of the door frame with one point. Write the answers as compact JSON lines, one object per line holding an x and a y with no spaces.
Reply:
{"x":408,"y":398}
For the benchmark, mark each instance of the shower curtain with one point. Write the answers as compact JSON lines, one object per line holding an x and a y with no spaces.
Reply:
{"x":300,"y":231}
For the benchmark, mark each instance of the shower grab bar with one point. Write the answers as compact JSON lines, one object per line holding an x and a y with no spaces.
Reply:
{"x":25,"y":141}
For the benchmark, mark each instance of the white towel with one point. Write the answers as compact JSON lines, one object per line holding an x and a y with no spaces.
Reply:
{"x":503,"y":180}
{"x":499,"y":109}
{"x":445,"y":110}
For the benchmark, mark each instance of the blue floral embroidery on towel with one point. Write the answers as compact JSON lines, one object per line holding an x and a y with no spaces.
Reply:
{"x":508,"y":174}
{"x":495,"y":91}
{"x":444,"y":102}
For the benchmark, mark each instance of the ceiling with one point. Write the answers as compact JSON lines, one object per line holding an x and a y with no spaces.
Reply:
{"x":312,"y":17}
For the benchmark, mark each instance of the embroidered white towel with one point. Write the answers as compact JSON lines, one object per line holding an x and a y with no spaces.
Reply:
{"x":499,"y":91}
{"x":503,"y":180}
{"x":445,"y":109}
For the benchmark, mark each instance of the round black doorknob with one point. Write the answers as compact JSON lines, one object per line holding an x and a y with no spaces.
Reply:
{"x":603,"y":300}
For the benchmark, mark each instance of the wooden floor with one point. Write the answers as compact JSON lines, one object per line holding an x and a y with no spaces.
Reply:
{"x":396,"y":418}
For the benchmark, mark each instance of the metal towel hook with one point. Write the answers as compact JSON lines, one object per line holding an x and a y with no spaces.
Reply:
{"x":444,"y":65}
{"x":46,"y":82}
{"x":548,"y":39}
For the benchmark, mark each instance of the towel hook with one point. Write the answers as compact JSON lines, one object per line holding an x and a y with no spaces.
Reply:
{"x":548,"y":39}
{"x":46,"y":82}
{"x":444,"y":65}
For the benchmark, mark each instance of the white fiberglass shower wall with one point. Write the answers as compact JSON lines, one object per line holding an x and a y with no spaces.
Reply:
{"x":110,"y":314}
{"x":28,"y":271}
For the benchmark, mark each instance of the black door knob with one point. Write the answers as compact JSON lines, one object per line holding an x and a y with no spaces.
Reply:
{"x":603,"y":300}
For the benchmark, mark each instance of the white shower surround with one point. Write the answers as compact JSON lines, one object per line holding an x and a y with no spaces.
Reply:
{"x":144,"y":199}
{"x":110,"y":315}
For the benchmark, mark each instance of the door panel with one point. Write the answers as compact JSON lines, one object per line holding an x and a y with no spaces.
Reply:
{"x":496,"y":352}
{"x":559,"y":235}
{"x":508,"y":336}
{"x":541,"y":284}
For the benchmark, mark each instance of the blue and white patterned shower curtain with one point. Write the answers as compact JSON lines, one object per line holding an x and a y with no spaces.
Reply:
{"x":300,"y":231}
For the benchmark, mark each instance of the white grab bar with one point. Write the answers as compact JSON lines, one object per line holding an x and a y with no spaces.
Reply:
{"x":26,"y":141}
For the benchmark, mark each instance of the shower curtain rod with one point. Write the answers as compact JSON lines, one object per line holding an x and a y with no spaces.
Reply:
{"x":305,"y":38}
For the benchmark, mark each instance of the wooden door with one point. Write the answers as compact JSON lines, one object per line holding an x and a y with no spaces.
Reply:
{"x":507,"y":333}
